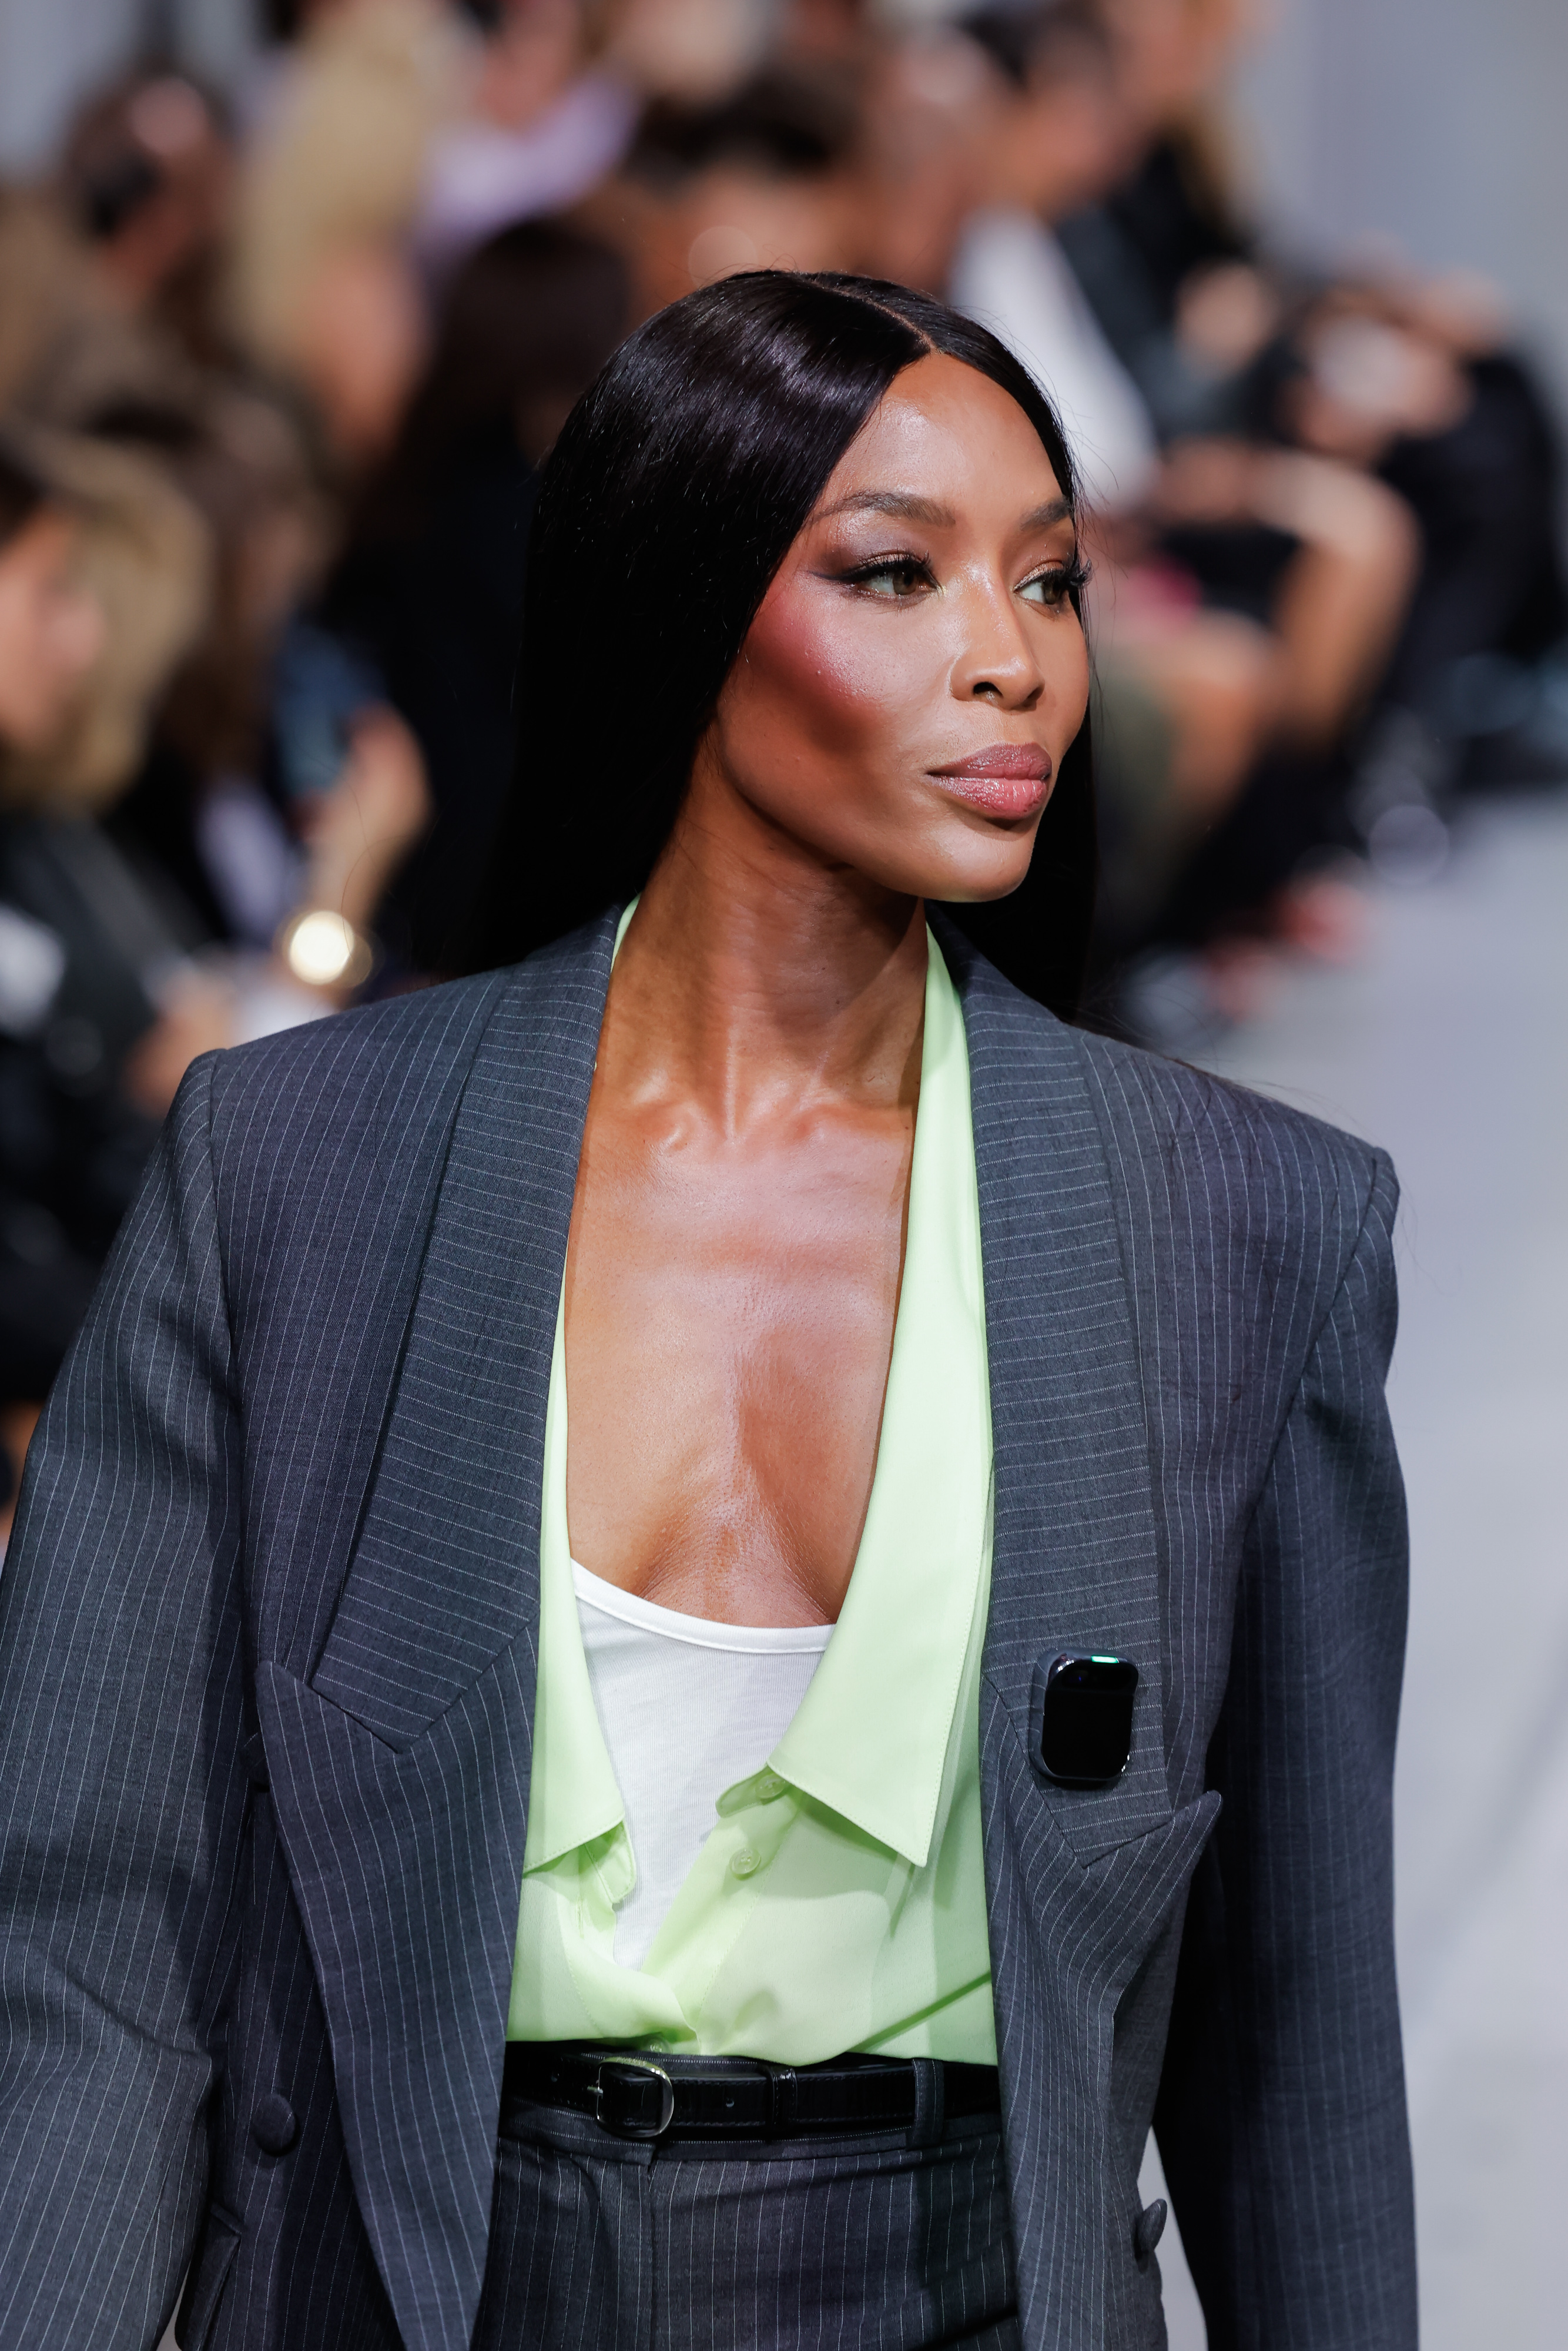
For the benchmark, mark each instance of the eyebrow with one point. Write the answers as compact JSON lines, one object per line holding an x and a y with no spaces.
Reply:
{"x":910,"y":508}
{"x":902,"y":503}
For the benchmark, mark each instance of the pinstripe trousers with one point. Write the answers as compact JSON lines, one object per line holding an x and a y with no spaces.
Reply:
{"x":849,"y":2244}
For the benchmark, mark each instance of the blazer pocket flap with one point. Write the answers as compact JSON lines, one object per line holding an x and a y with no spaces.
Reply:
{"x":1123,"y":1900}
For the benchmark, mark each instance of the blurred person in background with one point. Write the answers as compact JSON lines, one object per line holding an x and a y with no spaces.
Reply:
{"x":1167,"y":222}
{"x":111,"y":270}
{"x":260,"y":802}
{"x":105,"y":997}
{"x":427,"y":592}
{"x":71,"y":1149}
{"x":143,"y":832}
{"x":1049,"y":134}
{"x":1414,"y":382}
{"x":1419,"y":382}
{"x":394,"y":137}
{"x":550,"y":108}
{"x":146,"y":178}
{"x":761,"y":179}
{"x":919,"y":172}
{"x":325,"y":290}
{"x":1243,"y":673}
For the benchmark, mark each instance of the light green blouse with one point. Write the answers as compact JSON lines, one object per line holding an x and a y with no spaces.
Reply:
{"x":838,"y":1902}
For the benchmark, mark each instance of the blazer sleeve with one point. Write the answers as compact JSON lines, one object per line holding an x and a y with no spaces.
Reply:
{"x":1281,"y":2117}
{"x":122,"y":1789}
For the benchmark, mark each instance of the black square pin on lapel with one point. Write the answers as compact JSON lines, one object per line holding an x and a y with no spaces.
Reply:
{"x":1086,"y":1719}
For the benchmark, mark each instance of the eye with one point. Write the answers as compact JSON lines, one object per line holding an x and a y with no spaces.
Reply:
{"x":1049,"y":589}
{"x":895,"y":577}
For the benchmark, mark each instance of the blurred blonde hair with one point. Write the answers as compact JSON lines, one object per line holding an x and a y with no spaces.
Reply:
{"x":340,"y":164}
{"x":145,"y":554}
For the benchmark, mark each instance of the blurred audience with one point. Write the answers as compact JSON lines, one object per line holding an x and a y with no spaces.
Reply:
{"x":146,"y":179}
{"x":1410,"y":383}
{"x":1049,"y":133}
{"x":72,"y":968}
{"x":758,"y":180}
{"x":1248,"y":595}
{"x":279,"y":369}
{"x":426,"y":594}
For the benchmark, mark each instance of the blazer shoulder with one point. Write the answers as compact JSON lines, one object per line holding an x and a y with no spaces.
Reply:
{"x":1214,"y":1153}
{"x":320,"y":1136}
{"x":332,"y":1076}
{"x":1167,"y":1129}
{"x":1193,"y":1103}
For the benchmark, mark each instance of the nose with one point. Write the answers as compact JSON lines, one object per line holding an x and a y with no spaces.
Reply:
{"x":999,"y":662}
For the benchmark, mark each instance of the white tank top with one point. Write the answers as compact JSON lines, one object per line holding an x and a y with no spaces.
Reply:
{"x":687,"y":1707}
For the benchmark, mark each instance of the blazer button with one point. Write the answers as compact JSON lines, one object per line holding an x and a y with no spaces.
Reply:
{"x":274,"y":2125}
{"x":1150,"y":2227}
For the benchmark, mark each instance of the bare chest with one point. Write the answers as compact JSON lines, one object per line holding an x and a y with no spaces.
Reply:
{"x":730,"y":1311}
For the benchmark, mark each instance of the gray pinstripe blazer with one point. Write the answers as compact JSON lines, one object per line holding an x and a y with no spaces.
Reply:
{"x":266,"y":1673}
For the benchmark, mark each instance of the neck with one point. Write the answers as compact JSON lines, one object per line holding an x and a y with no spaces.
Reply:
{"x":756,"y":980}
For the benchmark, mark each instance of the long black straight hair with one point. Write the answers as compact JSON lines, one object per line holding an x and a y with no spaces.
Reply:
{"x":678,"y":483}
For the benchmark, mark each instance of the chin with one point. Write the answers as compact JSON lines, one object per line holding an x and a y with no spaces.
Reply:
{"x":977,"y":872}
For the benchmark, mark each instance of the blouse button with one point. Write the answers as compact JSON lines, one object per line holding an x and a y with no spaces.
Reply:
{"x":745,"y":1863}
{"x":769,"y":1785}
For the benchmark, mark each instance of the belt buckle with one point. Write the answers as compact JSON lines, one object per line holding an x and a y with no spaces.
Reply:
{"x":633,"y":2099}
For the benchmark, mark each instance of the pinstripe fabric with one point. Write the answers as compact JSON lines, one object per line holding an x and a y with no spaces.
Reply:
{"x":266,"y":1665}
{"x":858,"y":2246}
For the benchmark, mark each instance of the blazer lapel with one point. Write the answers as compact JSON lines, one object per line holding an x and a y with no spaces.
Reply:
{"x":1080,"y":1884}
{"x":1076,"y":1559}
{"x":399,"y":1766}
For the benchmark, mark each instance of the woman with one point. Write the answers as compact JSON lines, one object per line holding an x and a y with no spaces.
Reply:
{"x":1046,"y":1374}
{"x":70,"y":1145}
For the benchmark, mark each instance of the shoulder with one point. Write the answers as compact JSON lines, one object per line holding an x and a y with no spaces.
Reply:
{"x":332,"y":1138}
{"x":1210,"y":1181}
{"x":1239,"y":1211}
{"x":1219,"y":1133}
{"x":1229,"y":1196}
{"x":324,"y":1144}
{"x":353,"y":1075}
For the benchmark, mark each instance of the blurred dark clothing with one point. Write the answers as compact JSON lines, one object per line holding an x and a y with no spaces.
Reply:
{"x":155,"y":825}
{"x":71,"y":1148}
{"x":1486,"y":497}
{"x":1131,"y":253}
{"x":214,"y":853}
{"x":1173,"y":216}
{"x":1239,"y":566}
{"x":436,"y":605}
{"x":1291,"y":809}
{"x":429,"y":592}
{"x":1485,"y":494}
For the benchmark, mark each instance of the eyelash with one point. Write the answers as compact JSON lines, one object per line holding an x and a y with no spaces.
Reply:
{"x":1067,"y":578}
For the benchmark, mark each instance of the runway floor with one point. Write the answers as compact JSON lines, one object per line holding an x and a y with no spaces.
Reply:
{"x":1447,"y":1040}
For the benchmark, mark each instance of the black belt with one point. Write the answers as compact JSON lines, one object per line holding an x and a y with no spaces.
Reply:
{"x":640,"y":2095}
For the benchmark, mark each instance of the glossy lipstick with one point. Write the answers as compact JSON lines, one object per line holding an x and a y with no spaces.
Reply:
{"x":1004,"y":780}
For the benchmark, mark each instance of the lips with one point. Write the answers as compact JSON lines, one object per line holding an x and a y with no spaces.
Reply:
{"x":1004,"y":780}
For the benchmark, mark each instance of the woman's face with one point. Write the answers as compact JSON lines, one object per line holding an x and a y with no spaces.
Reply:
{"x":51,"y":630}
{"x":905,"y":697}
